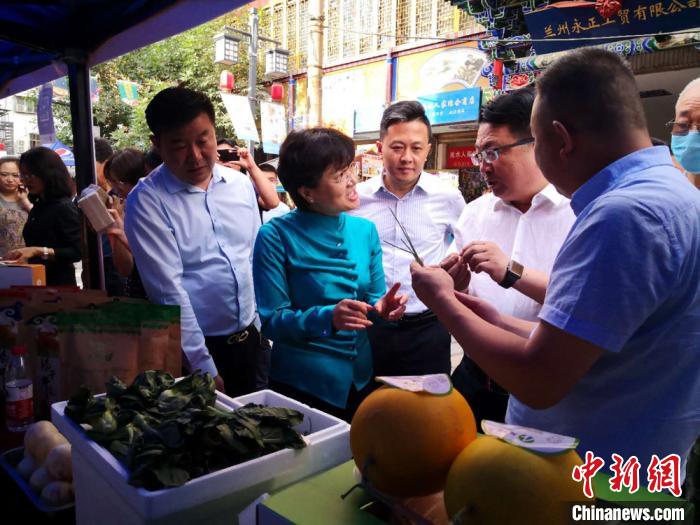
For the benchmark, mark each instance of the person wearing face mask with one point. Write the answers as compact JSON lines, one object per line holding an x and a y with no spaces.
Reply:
{"x":613,"y":359}
{"x":319,"y":281}
{"x":685,"y":131}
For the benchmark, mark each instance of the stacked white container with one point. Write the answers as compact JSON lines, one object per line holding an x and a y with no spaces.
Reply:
{"x":103,"y":495}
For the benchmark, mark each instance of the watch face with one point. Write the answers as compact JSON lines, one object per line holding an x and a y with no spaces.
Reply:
{"x":516,"y":268}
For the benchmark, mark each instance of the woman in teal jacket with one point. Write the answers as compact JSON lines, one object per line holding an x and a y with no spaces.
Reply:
{"x":319,"y":279}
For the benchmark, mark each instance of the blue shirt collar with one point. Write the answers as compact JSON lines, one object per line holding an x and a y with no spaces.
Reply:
{"x":613,"y":175}
{"x":174,"y":185}
{"x":326,"y":222}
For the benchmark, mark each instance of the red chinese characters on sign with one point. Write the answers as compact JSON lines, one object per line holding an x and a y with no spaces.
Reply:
{"x":665,"y":474}
{"x":585,"y":472}
{"x":458,"y":157}
{"x":662,"y":474}
{"x":625,"y":474}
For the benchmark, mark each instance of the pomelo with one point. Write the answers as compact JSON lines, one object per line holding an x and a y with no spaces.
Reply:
{"x":494,"y":482}
{"x":404,"y":442}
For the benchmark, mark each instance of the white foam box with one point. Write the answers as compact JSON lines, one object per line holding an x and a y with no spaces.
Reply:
{"x":103,"y":494}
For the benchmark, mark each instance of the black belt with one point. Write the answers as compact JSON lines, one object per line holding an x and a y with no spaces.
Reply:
{"x":236,"y":337}
{"x":421,"y":317}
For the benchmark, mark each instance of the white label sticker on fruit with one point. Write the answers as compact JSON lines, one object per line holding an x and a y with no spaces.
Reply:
{"x":433,"y":383}
{"x":529,"y":438}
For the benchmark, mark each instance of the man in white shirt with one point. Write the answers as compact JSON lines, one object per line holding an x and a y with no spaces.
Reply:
{"x":510,"y":236}
{"x":427,"y":208}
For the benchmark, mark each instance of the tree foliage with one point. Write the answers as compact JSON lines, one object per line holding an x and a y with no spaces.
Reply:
{"x":185,"y":59}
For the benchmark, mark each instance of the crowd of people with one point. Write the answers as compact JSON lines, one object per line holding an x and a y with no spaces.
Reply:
{"x":573,"y":285}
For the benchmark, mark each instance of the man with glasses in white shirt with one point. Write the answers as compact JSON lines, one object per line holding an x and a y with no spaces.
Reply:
{"x":428,"y":209}
{"x":510,"y":236}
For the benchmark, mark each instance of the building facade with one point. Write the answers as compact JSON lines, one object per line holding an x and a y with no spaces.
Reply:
{"x":18,"y":124}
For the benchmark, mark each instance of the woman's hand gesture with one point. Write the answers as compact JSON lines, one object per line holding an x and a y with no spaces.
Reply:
{"x":349,"y":314}
{"x":391,"y":306}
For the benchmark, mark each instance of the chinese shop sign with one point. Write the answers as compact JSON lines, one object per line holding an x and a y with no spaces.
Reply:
{"x":458,"y":157}
{"x":447,"y":107}
{"x":556,"y":24}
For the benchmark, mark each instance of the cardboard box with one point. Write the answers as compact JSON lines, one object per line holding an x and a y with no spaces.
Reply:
{"x":22,"y":274}
{"x":103,"y":495}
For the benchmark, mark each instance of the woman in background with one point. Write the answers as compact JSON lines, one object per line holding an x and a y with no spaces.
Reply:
{"x":52,"y":232}
{"x":14,"y":206}
{"x":319,"y":278}
{"x":123,"y":171}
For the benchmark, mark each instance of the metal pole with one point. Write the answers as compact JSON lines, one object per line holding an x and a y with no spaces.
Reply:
{"x":253,"y":68}
{"x":315,"y":61}
{"x":84,"y":152}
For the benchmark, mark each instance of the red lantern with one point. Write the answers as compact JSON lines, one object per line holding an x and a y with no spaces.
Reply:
{"x":226,"y":81}
{"x":277,"y":92}
{"x":498,"y":73}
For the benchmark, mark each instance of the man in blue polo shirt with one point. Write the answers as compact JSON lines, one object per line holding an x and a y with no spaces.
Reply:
{"x":614,"y":357}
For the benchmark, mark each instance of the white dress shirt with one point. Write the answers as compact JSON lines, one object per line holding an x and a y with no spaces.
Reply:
{"x":428,"y":212}
{"x":278,"y":211}
{"x":532,"y":238}
{"x":194,"y":248}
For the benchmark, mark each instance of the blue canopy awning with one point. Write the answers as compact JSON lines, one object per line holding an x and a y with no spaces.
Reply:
{"x":36,"y":38}
{"x":44,"y":40}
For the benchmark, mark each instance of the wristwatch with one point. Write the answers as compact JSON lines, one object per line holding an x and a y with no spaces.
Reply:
{"x":514,"y":271}
{"x":45,"y":253}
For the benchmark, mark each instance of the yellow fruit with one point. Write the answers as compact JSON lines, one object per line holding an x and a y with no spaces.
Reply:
{"x":494,"y":482}
{"x":404,"y":442}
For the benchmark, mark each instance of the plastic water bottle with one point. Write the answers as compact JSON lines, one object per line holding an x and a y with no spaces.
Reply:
{"x":19,"y":393}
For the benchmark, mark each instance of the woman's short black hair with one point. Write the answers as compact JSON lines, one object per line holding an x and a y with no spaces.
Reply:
{"x":45,"y":164}
{"x":127,"y":165}
{"x":307,"y":154}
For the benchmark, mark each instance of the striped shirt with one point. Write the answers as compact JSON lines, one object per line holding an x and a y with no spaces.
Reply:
{"x":429,"y":212}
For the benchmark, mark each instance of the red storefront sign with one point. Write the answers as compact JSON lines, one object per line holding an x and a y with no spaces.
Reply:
{"x":458,"y":156}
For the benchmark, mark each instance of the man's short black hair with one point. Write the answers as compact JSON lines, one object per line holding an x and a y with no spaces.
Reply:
{"x":512,"y":109}
{"x":103,"y":150}
{"x":404,"y":111}
{"x":174,"y":107}
{"x":152,"y":159}
{"x":307,"y":154}
{"x":592,"y":91}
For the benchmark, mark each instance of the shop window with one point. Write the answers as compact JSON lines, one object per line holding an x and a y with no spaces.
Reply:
{"x":34,"y":140}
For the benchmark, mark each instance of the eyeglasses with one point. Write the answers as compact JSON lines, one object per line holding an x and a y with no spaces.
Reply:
{"x":6,"y":174}
{"x":681,"y":129}
{"x":490,"y":155}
